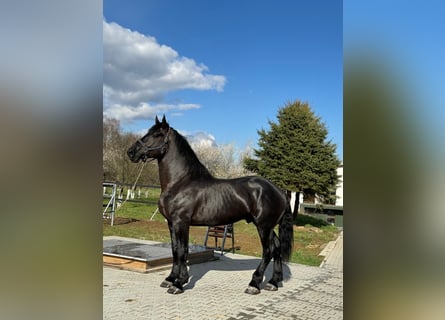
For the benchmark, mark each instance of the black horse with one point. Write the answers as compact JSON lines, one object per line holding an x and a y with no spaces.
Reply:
{"x":190,"y":195}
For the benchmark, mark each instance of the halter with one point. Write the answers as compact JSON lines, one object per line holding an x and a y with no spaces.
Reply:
{"x":164,"y":144}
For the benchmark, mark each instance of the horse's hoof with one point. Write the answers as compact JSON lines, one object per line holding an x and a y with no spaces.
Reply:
{"x":174,"y":290}
{"x":166,"y":284}
{"x":270,"y":287}
{"x":252,"y":290}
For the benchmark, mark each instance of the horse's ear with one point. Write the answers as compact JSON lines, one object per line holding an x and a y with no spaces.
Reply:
{"x":157,"y":120}
{"x":164,"y":122}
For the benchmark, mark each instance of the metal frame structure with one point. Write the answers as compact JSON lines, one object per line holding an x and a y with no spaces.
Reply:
{"x":220,"y":232}
{"x":111,"y":202}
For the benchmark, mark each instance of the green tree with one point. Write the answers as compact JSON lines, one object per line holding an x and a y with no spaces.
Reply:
{"x":296,"y":155}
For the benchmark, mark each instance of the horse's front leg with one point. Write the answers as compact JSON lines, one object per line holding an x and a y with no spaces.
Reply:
{"x":180,"y":238}
{"x":174,"y":274}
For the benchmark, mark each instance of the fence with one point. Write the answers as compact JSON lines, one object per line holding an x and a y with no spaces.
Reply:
{"x":329,"y":213}
{"x":115,"y":195}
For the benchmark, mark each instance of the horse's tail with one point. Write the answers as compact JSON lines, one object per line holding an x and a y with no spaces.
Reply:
{"x":286,"y":233}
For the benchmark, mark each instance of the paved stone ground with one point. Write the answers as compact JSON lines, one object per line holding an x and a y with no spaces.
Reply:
{"x":216,"y":291}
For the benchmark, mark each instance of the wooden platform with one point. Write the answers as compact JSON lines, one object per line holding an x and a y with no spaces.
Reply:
{"x":138,"y":256}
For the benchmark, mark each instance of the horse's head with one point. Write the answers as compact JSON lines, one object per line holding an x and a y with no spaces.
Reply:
{"x":153,"y":145}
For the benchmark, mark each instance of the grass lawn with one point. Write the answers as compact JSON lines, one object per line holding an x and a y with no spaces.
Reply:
{"x":310,"y":235}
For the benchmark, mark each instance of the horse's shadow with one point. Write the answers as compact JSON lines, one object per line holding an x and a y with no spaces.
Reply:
{"x":226,"y":263}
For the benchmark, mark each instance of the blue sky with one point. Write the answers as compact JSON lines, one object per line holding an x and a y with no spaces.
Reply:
{"x":229,"y":65}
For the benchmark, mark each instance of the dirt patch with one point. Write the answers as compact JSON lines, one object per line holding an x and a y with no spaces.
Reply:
{"x":119,"y":221}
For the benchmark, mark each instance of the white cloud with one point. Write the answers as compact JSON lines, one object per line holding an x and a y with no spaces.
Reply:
{"x":200,"y":139}
{"x":143,"y":111}
{"x":139,"y":72}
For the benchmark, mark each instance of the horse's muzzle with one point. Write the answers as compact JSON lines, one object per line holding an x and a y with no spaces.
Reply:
{"x":132,"y":155}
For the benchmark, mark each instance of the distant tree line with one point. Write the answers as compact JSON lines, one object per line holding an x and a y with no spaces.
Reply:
{"x":116,"y":164}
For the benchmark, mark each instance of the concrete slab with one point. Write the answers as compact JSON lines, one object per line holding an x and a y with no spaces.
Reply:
{"x":143,"y":256}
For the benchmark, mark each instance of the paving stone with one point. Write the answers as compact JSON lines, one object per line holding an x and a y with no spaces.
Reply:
{"x":216,"y":291}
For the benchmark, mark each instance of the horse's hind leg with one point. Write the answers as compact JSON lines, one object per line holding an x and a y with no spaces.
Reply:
{"x":266,"y":236}
{"x":277,"y":277}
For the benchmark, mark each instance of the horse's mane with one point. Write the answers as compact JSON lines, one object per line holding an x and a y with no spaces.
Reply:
{"x":196,"y":168}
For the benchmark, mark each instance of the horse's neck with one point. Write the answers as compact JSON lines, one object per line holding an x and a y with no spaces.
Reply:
{"x":170,"y":172}
{"x":173,"y":168}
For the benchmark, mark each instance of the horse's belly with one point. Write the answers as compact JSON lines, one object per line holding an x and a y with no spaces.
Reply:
{"x":219,"y":215}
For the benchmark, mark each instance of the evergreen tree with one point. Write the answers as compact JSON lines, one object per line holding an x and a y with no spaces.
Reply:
{"x":296,"y":155}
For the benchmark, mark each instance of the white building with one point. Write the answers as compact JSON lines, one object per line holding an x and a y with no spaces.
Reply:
{"x":339,"y":191}
{"x":318,"y":200}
